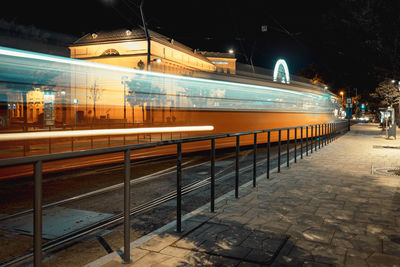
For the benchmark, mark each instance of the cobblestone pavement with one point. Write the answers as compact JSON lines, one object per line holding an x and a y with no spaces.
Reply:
{"x":328,"y":209}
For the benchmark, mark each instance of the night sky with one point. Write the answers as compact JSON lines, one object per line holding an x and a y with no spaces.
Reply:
{"x":348,"y":42}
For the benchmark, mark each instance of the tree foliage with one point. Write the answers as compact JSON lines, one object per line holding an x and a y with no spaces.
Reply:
{"x":387,"y":93}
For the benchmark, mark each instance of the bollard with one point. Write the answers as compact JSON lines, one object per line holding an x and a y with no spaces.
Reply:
{"x":237,"y":167}
{"x":255,"y":160}
{"x":37,"y":214}
{"x":268,"y":152}
{"x":212,"y":203}
{"x":127,"y":203}
{"x":179,"y":188}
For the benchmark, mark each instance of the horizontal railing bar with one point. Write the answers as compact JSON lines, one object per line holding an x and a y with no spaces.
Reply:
{"x":107,"y":150}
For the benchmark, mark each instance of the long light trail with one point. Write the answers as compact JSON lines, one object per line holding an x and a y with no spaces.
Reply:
{"x":33,"y":55}
{"x":101,"y":132}
{"x":78,"y":77}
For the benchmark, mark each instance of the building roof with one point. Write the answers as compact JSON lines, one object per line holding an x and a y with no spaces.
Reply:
{"x":216,"y":54}
{"x":136,"y":34}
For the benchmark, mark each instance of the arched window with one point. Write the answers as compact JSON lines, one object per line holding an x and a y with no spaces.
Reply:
{"x":110,"y":52}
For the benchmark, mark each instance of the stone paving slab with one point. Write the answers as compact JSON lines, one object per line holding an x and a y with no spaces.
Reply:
{"x":326,"y":210}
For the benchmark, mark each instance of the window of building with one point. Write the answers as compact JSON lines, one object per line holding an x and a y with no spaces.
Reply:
{"x":110,"y":52}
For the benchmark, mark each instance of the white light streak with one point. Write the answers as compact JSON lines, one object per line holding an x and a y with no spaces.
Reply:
{"x":102,"y":132}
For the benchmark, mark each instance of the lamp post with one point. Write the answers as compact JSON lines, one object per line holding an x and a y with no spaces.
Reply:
{"x":123,"y":81}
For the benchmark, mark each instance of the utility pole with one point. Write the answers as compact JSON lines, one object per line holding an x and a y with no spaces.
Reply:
{"x":146,"y":34}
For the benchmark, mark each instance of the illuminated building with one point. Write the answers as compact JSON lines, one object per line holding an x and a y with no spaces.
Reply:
{"x":129,"y":48}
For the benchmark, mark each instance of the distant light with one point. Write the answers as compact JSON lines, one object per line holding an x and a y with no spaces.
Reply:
{"x":63,"y":93}
{"x":81,"y":133}
{"x":341,"y":93}
{"x":393,"y":81}
{"x":231,"y":51}
{"x":286,"y":78}
{"x":158,"y":60}
{"x":326,"y":87}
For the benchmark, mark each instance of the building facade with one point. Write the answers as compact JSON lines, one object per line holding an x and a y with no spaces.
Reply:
{"x":130,"y":49}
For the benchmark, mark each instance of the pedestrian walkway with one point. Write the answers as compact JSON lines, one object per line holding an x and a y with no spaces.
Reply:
{"x":338,"y":206}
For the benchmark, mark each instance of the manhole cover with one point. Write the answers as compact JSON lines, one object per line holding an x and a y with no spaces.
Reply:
{"x":387,"y":171}
{"x":389,"y":147}
{"x":57,"y":221}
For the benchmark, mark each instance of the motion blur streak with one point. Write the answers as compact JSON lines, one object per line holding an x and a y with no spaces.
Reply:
{"x":81,"y":133}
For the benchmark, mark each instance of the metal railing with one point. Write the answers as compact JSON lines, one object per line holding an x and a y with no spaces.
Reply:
{"x":320,"y":135}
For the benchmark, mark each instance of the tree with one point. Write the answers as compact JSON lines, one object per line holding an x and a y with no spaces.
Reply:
{"x":95,"y":94}
{"x":141,"y":92}
{"x":313,"y":72}
{"x":387,"y":93}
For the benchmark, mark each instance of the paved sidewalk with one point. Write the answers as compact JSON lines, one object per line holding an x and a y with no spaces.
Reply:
{"x":327,"y":209}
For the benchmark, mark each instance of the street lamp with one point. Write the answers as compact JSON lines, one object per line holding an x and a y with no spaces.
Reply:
{"x":341,"y":93}
{"x":231,"y":51}
{"x":124,"y":79}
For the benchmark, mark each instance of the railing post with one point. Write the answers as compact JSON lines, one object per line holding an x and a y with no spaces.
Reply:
{"x":279,"y":151}
{"x":179,"y":188}
{"x":325,"y":135}
{"x":127,"y":205}
{"x":287,"y":147}
{"x":255,"y":160}
{"x":268,"y":152}
{"x":306,"y":140}
{"x":319,"y":136}
{"x":329,"y":132}
{"x":295,"y":145}
{"x":315,"y":138}
{"x":311,"y":138}
{"x":237,"y":166}
{"x":301,"y":142}
{"x":37,"y":214}
{"x":212,"y":203}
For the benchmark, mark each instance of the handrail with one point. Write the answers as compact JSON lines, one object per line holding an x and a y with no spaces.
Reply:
{"x":8,"y":162}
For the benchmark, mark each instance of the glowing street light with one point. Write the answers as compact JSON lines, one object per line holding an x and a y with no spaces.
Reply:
{"x":341,"y":93}
{"x":231,"y":51}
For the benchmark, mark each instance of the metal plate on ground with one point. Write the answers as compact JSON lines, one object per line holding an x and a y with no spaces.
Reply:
{"x":57,"y":221}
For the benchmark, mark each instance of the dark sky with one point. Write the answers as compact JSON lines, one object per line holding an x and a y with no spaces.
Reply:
{"x":302,"y":32}
{"x":206,"y":25}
